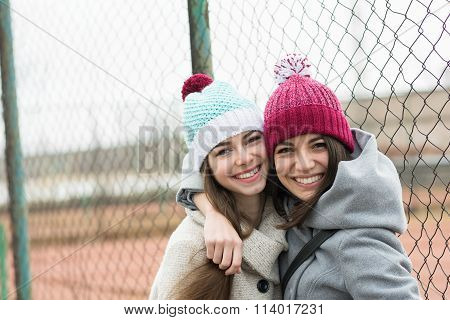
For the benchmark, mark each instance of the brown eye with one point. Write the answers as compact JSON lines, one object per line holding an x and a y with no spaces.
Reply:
{"x":319,"y":145}
{"x":223,"y":152}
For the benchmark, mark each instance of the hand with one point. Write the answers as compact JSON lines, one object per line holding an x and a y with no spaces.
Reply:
{"x":223,"y":244}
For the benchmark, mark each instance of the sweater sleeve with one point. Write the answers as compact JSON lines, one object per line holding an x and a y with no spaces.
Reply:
{"x":180,"y":258}
{"x":375,"y":266}
{"x":191,"y":183}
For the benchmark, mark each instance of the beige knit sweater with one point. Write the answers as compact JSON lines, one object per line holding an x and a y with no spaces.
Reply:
{"x":186,"y":251}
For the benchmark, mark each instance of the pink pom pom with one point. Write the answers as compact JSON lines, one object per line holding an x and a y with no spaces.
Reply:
{"x":195,"y":83}
{"x":292,"y":63}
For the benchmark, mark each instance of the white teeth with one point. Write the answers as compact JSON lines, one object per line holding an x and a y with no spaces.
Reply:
{"x":248,"y":174}
{"x":309,"y":180}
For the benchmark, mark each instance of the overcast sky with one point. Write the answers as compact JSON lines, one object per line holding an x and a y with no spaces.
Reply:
{"x":92,"y":72}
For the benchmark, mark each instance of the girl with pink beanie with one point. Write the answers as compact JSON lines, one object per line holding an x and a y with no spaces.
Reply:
{"x":340,"y":198}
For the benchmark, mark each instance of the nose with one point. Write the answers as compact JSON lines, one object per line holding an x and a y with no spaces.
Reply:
{"x":243,"y":157}
{"x":304,"y":162}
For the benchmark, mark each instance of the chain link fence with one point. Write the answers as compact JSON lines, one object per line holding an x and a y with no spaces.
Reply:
{"x":98,"y":92}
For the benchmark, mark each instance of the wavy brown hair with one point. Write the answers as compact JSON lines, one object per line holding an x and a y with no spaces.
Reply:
{"x":208,"y":282}
{"x":336,"y":153}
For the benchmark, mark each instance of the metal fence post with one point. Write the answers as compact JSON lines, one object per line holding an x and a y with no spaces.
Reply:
{"x":3,"y":264}
{"x":200,"y":41}
{"x":13,"y":156}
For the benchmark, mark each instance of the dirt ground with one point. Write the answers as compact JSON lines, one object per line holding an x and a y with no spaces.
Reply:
{"x":121,"y":264}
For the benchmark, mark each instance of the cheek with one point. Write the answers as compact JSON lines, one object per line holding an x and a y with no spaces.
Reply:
{"x":259,"y":151}
{"x":282,"y":165}
{"x":323,"y":160}
{"x":220,"y":168}
{"x":262,"y":150}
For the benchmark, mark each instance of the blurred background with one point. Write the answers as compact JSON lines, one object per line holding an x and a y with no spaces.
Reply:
{"x":91,"y":134}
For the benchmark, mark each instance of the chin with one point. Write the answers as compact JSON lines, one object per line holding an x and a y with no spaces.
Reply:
{"x":303,"y":196}
{"x":300,"y":194}
{"x":251,"y":190}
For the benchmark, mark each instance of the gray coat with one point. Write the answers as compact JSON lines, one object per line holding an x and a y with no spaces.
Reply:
{"x":364,"y":259}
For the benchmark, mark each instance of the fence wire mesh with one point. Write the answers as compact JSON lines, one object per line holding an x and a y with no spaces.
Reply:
{"x":98,"y":89}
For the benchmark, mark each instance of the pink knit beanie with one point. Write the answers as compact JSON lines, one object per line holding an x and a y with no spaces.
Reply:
{"x":302,"y":105}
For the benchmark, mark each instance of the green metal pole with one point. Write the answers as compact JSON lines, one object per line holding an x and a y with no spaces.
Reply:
{"x":200,"y":41}
{"x":3,"y":271}
{"x":13,"y":156}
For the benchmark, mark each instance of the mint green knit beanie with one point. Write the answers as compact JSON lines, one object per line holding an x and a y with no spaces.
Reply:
{"x":214,"y":112}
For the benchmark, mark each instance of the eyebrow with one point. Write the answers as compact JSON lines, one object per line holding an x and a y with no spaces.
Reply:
{"x":286,"y":143}
{"x":315,"y":139}
{"x":249,"y":133}
{"x":222,"y":144}
{"x":290,"y":144}
{"x":227,"y":143}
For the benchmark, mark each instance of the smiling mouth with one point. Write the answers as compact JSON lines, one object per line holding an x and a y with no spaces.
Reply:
{"x":248,"y":174}
{"x":310,"y":180}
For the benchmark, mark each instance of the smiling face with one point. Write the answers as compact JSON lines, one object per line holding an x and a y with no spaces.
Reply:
{"x":240,"y":163}
{"x":301,"y":164}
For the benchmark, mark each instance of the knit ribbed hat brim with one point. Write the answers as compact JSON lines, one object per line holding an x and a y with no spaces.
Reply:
{"x":295,"y":121}
{"x":229,"y":124}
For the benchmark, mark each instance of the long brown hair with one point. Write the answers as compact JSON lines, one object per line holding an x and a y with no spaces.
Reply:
{"x":208,"y":282}
{"x":336,"y":153}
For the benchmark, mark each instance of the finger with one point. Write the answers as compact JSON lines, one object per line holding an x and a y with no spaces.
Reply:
{"x":227,"y":256}
{"x":209,"y":249}
{"x":233,"y":270}
{"x":237,"y":257}
{"x":218,"y":252}
{"x":237,"y":260}
{"x":230,"y":271}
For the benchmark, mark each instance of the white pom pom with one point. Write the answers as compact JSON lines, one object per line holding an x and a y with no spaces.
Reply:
{"x":292,"y":63}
